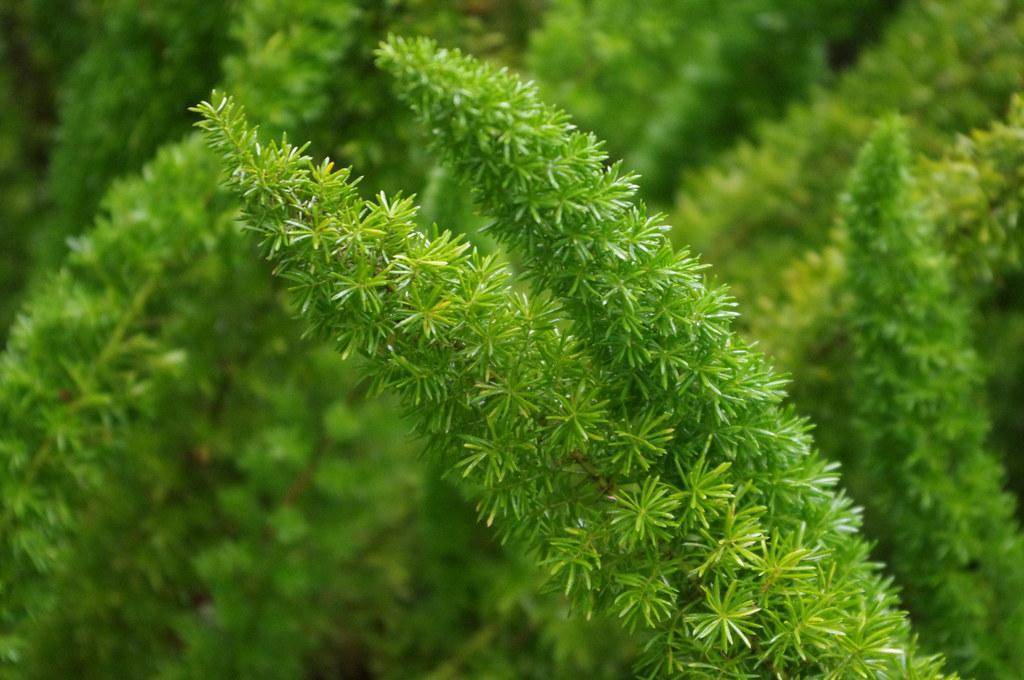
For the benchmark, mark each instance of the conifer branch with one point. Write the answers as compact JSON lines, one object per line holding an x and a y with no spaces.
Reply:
{"x":647,"y":318}
{"x":439,"y":324}
{"x":202,"y":504}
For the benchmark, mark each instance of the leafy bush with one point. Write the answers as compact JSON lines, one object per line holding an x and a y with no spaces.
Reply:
{"x":195,"y":485}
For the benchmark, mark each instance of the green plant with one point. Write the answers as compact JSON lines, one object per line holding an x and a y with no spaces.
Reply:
{"x":764,"y":212}
{"x":688,"y":77}
{"x":235,"y":479}
{"x":944,"y":524}
{"x":544,"y":443}
{"x":193,"y":485}
{"x":34,"y":55}
{"x":125,"y":96}
{"x":769,"y":200}
{"x":78,"y":366}
{"x":971,"y":193}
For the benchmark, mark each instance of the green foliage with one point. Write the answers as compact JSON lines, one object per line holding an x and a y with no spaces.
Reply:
{"x":125,"y":96}
{"x":970,"y":194}
{"x":285,"y":492}
{"x":944,"y":524}
{"x":975,"y":193}
{"x":322,"y":58}
{"x":34,"y":53}
{"x":140,"y":68}
{"x":439,"y":325}
{"x":46,"y":49}
{"x":78,"y":366}
{"x":688,"y":77}
{"x":16,"y":184}
{"x":764,"y":211}
{"x":192,"y":487}
{"x":247,"y":493}
{"x":648,"y":319}
{"x":949,"y":66}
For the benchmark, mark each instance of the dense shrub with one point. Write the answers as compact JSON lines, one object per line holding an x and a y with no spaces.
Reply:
{"x":764,"y":211}
{"x":193,"y":484}
{"x":670,"y":83}
{"x":934,"y":497}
